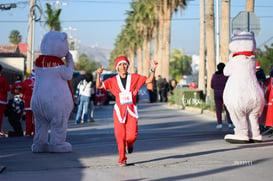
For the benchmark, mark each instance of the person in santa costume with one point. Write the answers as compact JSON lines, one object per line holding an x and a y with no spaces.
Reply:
{"x":26,"y":93}
{"x":17,"y":85}
{"x":269,"y":100}
{"x":124,"y":87}
{"x":101,"y":94}
{"x":4,"y":88}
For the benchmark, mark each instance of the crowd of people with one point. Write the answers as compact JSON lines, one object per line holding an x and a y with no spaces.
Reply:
{"x":87,"y":98}
{"x":18,"y":106}
{"x":90,"y":93}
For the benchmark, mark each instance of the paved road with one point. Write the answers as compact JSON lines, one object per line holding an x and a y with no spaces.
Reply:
{"x":172,"y":145}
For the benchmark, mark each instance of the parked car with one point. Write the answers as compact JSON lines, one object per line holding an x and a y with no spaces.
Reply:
{"x":110,"y":96}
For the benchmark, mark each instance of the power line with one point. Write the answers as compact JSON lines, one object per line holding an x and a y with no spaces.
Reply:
{"x":101,"y":2}
{"x":111,"y":20}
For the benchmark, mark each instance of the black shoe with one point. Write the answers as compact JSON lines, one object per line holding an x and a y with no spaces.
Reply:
{"x":255,"y":141}
{"x":2,"y":168}
{"x":129,"y":150}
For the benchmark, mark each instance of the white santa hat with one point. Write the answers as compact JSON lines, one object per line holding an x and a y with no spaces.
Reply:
{"x":120,"y":60}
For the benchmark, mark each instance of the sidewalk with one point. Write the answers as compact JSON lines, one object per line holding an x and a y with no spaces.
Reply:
{"x":171,"y":145}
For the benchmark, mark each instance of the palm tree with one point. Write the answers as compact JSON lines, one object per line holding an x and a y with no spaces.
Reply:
{"x":15,"y":37}
{"x":225,"y":34}
{"x":210,"y":44}
{"x":53,"y":20}
{"x":143,"y":18}
{"x":148,"y":18}
{"x":166,"y":9}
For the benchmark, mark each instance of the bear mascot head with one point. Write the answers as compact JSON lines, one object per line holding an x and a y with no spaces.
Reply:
{"x":52,"y":98}
{"x":243,"y":95}
{"x":55,"y":43}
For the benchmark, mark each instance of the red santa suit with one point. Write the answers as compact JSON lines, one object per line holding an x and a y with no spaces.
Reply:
{"x":125,"y":110}
{"x":16,"y":85}
{"x":27,"y":89}
{"x":269,"y":101}
{"x":4,"y":88}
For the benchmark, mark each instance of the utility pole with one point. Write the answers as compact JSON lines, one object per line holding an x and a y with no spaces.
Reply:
{"x":70,"y":37}
{"x":30,"y":47}
{"x":31,"y":25}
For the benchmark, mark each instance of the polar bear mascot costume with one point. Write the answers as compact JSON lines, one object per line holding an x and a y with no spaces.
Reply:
{"x":52,"y":100}
{"x":243,"y":95}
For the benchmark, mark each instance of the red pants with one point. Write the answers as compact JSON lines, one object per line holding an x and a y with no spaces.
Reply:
{"x":125,"y":134}
{"x":2,"y":112}
{"x":30,"y":123}
{"x":269,"y":115}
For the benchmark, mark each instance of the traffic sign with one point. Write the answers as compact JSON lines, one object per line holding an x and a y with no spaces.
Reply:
{"x":247,"y":21}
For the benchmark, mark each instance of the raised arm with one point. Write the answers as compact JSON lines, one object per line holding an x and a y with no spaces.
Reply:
{"x":98,"y":81}
{"x":152,"y":75}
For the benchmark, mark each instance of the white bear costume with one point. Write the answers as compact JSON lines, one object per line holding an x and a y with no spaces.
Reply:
{"x":52,"y":100}
{"x":243,"y":95}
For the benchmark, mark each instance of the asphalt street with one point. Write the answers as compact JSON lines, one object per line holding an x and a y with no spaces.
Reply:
{"x":172,"y":144}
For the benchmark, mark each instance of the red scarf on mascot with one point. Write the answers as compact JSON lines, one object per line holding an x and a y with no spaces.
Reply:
{"x":51,"y":61}
{"x":246,"y":53}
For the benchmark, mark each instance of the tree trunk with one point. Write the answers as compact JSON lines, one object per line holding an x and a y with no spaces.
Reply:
{"x":210,"y":45}
{"x":146,"y":54}
{"x":166,"y":41}
{"x":201,"y":76}
{"x":155,"y":44}
{"x":225,"y":34}
{"x":139,"y":61}
{"x":131,"y":57}
{"x":250,"y":5}
{"x":160,"y":43}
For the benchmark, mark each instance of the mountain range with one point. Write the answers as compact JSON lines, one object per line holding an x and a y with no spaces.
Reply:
{"x":96,"y":53}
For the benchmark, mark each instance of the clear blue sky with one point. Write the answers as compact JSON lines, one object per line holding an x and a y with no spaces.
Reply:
{"x":99,"y":22}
